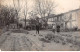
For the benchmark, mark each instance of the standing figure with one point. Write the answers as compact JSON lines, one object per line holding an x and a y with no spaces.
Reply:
{"x":58,"y":28}
{"x":53,"y":29}
{"x":37,"y":28}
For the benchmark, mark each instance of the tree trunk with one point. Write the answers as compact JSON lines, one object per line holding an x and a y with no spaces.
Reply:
{"x":25,"y":23}
{"x":70,"y":24}
{"x":65,"y":25}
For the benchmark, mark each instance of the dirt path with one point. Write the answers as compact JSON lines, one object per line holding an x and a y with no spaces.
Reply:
{"x":17,"y":42}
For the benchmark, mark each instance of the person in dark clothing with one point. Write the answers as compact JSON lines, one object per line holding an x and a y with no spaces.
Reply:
{"x":37,"y":28}
{"x":58,"y":28}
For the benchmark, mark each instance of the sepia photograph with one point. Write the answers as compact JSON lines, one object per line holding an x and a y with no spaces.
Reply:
{"x":39,"y":25}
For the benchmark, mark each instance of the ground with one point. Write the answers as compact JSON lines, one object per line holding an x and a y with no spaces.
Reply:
{"x":18,"y":41}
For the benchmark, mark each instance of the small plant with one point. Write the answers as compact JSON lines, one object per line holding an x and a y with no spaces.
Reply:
{"x":49,"y":36}
{"x":44,"y":40}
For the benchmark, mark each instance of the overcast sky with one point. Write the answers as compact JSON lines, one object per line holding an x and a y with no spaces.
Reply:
{"x":63,"y":5}
{"x":66,"y":5}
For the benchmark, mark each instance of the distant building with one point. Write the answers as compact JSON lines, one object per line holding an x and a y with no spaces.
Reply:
{"x":72,"y":19}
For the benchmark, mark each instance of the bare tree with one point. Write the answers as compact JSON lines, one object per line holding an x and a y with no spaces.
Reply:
{"x":50,"y":7}
{"x":25,"y":12}
{"x":17,"y":10}
{"x":44,"y":7}
{"x":66,"y":19}
{"x":32,"y":14}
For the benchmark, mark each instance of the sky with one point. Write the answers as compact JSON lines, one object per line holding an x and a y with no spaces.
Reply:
{"x":62,"y":5}
{"x":67,"y":5}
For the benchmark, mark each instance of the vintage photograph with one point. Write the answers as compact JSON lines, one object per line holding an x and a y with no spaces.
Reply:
{"x":39,"y":25}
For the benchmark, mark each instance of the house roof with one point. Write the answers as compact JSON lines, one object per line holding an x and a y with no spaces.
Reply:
{"x":71,"y":11}
{"x":52,"y":15}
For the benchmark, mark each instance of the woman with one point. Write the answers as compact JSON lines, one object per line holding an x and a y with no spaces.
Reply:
{"x":53,"y":29}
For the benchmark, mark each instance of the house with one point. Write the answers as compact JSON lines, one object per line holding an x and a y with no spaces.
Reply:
{"x":55,"y":20}
{"x":65,"y":20}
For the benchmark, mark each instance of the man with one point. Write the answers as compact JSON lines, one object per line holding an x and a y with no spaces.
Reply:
{"x":53,"y":29}
{"x":58,"y":28}
{"x":37,"y":28}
